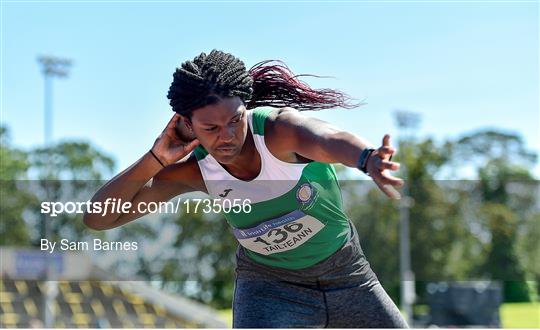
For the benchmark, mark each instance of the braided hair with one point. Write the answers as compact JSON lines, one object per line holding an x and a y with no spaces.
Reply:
{"x":209,"y":78}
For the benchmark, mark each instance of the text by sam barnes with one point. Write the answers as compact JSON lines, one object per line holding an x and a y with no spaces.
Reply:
{"x":95,"y":245}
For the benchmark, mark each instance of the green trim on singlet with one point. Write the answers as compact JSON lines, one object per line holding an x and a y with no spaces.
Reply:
{"x":200,"y":152}
{"x":259,"y":118}
{"x":326,"y":206}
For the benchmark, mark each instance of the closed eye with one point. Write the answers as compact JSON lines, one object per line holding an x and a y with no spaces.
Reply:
{"x":237,"y":120}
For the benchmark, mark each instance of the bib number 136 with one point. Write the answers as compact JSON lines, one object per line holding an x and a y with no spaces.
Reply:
{"x":279,"y":235}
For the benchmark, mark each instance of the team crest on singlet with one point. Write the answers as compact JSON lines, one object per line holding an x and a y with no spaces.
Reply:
{"x":306,"y":195}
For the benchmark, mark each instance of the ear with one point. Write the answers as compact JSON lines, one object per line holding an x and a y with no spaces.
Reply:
{"x":185,"y":121}
{"x":184,"y":129}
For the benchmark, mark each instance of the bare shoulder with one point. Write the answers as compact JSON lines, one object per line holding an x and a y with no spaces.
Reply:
{"x":184,"y":173}
{"x":280,"y":135}
{"x":282,"y":122}
{"x":283,"y":117}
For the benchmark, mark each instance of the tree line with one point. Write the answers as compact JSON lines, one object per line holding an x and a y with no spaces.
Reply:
{"x":475,"y":214}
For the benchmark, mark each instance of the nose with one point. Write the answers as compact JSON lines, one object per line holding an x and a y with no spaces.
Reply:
{"x":227,"y":134}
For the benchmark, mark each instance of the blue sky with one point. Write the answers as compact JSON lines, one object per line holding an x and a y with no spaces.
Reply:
{"x":463,"y":66}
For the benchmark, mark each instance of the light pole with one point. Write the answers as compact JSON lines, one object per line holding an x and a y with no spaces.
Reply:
{"x":51,"y":67}
{"x":406,"y":122}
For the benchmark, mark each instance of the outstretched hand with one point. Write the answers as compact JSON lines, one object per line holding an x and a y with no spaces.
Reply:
{"x":169,"y":146}
{"x":378,"y":166}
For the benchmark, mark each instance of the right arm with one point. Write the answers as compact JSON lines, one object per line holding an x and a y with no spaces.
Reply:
{"x":147,"y":181}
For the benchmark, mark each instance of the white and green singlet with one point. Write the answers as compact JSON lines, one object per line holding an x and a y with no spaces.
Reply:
{"x":296,"y":217}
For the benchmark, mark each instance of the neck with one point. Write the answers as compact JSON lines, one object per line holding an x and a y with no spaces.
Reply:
{"x":247,"y":165}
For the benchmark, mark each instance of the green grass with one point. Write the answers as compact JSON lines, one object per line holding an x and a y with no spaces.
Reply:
{"x":520,"y":315}
{"x":513,"y":315}
{"x":226,"y":315}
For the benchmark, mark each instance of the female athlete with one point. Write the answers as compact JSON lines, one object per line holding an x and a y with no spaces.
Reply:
{"x":299,"y":261}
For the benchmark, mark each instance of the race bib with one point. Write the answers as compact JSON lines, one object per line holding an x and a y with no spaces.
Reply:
{"x":280,"y":234}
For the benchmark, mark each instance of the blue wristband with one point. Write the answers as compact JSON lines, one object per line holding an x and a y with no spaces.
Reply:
{"x":362,"y":160}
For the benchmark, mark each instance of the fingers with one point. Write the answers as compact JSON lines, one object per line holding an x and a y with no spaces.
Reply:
{"x":388,"y":189}
{"x":183,"y":132}
{"x":191,"y":145}
{"x":391,"y":192}
{"x":381,"y":163}
{"x":172,"y":122}
{"x":379,"y":172}
{"x":386,"y":140}
{"x":387,"y":165}
{"x":179,"y":151}
{"x":385,"y":178}
{"x":387,"y":183}
{"x":386,"y":152}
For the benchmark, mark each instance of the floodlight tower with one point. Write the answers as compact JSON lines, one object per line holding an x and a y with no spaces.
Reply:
{"x":51,"y":67}
{"x":407,"y":122}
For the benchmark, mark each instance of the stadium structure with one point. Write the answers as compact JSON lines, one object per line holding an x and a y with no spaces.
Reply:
{"x":84,"y":296}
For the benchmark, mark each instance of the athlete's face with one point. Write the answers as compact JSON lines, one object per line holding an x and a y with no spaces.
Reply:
{"x":221,"y":128}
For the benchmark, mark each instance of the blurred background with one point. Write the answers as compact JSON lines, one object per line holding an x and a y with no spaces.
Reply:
{"x":83,"y":96}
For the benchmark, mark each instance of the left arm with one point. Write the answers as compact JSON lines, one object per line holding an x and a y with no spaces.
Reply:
{"x":317,"y":140}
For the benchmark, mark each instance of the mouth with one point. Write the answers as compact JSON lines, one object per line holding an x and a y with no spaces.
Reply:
{"x":226,"y":150}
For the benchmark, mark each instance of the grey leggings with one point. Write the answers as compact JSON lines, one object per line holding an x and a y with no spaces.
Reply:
{"x":339,"y":292}
{"x":273,"y":304}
